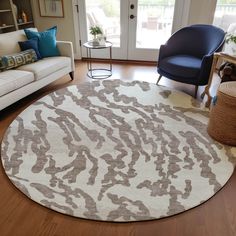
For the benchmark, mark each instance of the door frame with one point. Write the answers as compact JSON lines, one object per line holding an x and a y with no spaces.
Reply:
{"x":118,"y":53}
{"x":77,"y":46}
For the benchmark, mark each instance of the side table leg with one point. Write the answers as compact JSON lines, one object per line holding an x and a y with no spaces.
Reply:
{"x":206,"y":91}
{"x":111,"y":60}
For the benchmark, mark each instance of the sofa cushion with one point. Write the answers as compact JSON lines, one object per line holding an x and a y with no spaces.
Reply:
{"x":13,"y":79}
{"x":8,"y":42}
{"x":31,"y":44}
{"x":18,"y":59}
{"x":46,"y":66}
{"x":47,"y":41}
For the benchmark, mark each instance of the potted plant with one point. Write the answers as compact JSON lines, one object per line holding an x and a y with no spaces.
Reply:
{"x":95,"y":31}
{"x":231,"y":40}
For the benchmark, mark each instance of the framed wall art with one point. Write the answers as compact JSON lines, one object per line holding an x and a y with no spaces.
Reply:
{"x":51,"y":8}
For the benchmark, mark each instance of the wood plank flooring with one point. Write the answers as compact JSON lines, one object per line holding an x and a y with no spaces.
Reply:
{"x":20,"y":216}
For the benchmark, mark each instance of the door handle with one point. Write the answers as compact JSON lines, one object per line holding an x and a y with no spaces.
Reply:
{"x":77,"y":7}
{"x":131,"y":16}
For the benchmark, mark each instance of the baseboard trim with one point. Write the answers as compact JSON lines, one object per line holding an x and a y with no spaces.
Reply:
{"x":116,"y":61}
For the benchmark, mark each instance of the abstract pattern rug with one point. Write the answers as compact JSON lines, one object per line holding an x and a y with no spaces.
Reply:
{"x":112,"y":150}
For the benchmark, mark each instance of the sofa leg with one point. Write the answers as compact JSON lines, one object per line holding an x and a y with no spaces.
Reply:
{"x":72,"y":74}
{"x":158,"y":79}
{"x":196,"y":89}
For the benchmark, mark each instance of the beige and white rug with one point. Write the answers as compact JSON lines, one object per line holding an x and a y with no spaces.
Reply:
{"x":116,"y":151}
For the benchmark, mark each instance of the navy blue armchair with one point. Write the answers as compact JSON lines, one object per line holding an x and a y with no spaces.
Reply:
{"x":187,"y":55}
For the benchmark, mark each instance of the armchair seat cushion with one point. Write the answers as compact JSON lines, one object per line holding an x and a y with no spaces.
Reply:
{"x":183,"y":66}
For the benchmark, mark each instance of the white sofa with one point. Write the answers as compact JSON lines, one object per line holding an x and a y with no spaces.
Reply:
{"x":24,"y":80}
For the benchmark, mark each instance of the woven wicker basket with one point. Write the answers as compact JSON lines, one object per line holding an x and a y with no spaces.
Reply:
{"x":222,"y":123}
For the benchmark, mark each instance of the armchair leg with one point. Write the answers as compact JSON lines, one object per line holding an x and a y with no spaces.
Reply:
{"x":72,"y":75}
{"x":158,"y":80}
{"x":196,"y":89}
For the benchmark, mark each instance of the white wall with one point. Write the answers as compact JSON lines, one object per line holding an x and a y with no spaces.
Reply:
{"x":202,"y":11}
{"x":64,"y":25}
{"x":191,"y":12}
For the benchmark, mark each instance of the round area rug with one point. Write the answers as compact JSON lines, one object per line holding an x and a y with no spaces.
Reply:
{"x":116,"y":151}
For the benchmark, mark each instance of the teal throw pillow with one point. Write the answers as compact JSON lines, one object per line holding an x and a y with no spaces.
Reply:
{"x":46,"y":41}
{"x":18,"y":59}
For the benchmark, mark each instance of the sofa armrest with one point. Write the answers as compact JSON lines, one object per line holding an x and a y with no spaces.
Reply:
{"x":66,"y":49}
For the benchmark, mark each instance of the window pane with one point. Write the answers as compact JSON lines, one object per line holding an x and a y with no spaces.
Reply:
{"x":225,"y":13}
{"x":154,"y":22}
{"x":106,"y":14}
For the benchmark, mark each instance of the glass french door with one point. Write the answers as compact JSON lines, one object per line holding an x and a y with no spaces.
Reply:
{"x":136,"y":28}
{"x":150,"y":25}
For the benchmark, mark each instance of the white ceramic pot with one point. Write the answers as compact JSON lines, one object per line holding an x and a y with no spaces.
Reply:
{"x":95,"y":42}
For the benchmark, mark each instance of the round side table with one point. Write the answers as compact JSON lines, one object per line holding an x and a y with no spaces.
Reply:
{"x":98,"y":73}
{"x":222,"y":122}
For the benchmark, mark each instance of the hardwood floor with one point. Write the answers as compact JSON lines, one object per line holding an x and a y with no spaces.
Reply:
{"x":20,"y":216}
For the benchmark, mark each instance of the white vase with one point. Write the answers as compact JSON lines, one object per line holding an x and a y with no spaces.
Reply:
{"x":101,"y":39}
{"x":95,"y":41}
{"x":233,"y":49}
{"x":230,"y":48}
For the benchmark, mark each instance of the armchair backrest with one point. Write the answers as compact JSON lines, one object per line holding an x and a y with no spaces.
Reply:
{"x":196,"y":40}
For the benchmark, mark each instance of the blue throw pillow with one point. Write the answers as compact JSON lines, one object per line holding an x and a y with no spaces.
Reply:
{"x":2,"y":66}
{"x":31,"y":44}
{"x":47,"y":41}
{"x":18,"y":59}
